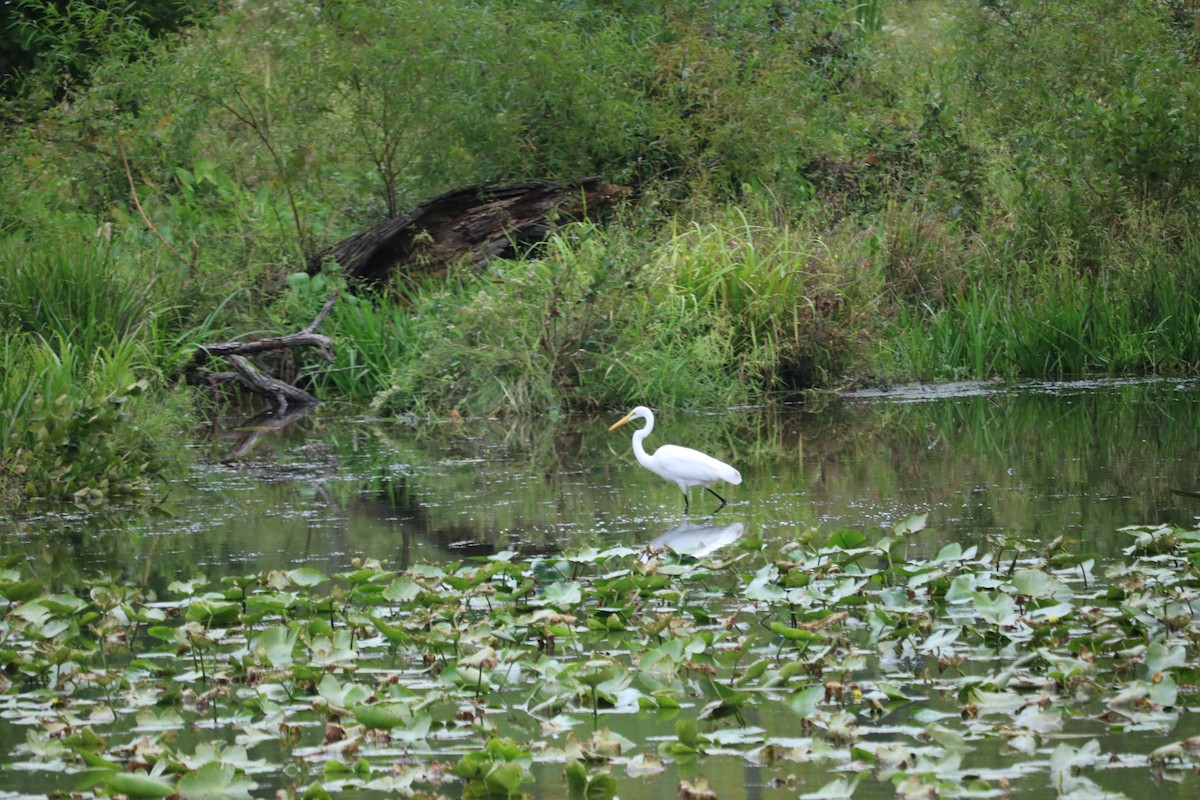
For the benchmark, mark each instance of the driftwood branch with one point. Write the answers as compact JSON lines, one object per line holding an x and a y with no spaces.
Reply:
{"x":306,"y":337}
{"x":283,"y":394}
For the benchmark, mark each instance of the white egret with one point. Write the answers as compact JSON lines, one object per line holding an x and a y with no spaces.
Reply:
{"x":682,"y":466}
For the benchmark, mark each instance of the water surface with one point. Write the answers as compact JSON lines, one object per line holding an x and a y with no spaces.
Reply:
{"x":986,"y":463}
{"x":1040,"y":461}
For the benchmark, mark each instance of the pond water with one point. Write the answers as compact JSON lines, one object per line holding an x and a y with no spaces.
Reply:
{"x":985,"y":463}
{"x":1079,"y":460}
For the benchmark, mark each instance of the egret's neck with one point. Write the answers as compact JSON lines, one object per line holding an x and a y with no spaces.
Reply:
{"x":638,"y":438}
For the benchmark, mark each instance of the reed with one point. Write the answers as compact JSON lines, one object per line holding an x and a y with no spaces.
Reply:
{"x":69,"y":286}
{"x":71,"y":428}
{"x":82,"y":346}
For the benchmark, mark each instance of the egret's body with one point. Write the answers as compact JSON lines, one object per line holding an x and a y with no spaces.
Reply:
{"x":682,"y":466}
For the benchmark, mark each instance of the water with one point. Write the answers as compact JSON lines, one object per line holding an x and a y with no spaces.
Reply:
{"x":1077,"y":460}
{"x":983,"y":461}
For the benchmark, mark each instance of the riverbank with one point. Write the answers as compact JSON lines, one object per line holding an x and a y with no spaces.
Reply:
{"x":874,"y":193}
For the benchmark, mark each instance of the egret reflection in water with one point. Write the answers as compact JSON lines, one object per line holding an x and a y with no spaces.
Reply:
{"x":698,"y":539}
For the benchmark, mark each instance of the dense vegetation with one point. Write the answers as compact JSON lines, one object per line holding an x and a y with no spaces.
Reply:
{"x":821,"y":192}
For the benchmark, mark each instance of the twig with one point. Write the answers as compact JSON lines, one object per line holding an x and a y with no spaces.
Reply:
{"x":191,"y":264}
{"x":323,"y":313}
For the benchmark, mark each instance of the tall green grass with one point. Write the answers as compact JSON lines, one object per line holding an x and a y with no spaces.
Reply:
{"x":78,"y":360}
{"x":71,"y":427}
{"x":373,"y":338}
{"x":1056,"y":325}
{"x":67,"y":286}
{"x":711,"y":314}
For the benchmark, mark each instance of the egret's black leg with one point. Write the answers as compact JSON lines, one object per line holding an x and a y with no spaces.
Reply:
{"x":685,"y":503}
{"x":714,"y":494}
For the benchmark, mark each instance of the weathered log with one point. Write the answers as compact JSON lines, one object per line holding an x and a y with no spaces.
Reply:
{"x":477,"y":223}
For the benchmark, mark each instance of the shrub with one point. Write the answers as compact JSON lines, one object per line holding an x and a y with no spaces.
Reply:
{"x":72,"y":427}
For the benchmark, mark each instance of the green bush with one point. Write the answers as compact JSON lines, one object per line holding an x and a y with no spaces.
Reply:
{"x":83,"y":345}
{"x":73,"y":426}
{"x":821,"y":191}
{"x":712,"y":315}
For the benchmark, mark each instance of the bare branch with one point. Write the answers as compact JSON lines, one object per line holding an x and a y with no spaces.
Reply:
{"x":142,"y":212}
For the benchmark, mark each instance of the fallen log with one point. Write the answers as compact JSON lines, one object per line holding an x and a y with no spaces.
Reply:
{"x":306,"y":337}
{"x":477,"y":223}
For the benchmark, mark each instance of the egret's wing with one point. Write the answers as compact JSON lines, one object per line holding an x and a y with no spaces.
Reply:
{"x":693,"y":467}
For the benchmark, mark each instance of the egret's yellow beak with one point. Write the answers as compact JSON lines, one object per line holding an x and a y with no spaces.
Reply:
{"x":621,"y":422}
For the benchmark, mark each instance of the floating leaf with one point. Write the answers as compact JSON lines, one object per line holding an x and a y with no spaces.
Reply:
{"x":837,"y":789}
{"x":563,"y":594}
{"x":306,"y":577}
{"x":214,"y":781}
{"x":1161,"y":657}
{"x":136,"y":785}
{"x":913,"y":524}
{"x":847,"y":540}
{"x":1036,"y":583}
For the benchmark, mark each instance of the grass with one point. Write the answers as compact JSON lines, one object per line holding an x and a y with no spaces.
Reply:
{"x":69,"y":286}
{"x":81,"y":349}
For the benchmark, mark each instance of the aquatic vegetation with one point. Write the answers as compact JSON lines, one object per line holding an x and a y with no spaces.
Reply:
{"x":856,"y":667}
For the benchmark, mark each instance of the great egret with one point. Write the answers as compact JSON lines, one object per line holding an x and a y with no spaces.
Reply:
{"x":682,"y":466}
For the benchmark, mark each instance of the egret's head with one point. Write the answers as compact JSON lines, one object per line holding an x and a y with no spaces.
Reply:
{"x":641,"y":412}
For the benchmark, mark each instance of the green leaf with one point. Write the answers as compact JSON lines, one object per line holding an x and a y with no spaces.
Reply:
{"x":576,"y":776}
{"x":214,"y":780}
{"x":306,"y":577}
{"x":21,"y":591}
{"x":95,"y":761}
{"x":998,"y":609}
{"x":962,"y":589}
{"x":275,"y":646}
{"x":1160,"y":657}
{"x":837,"y":789}
{"x":805,"y":701}
{"x":795,"y":634}
{"x":602,"y":787}
{"x":762,"y":587}
{"x":136,"y":785}
{"x":686,"y":733}
{"x":914,"y":524}
{"x":1036,"y":583}
{"x":402,"y":590}
{"x":506,"y":777}
{"x":316,"y":791}
{"x":213,"y":613}
{"x":847,"y":540}
{"x":383,"y":716}
{"x":564,"y":595}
